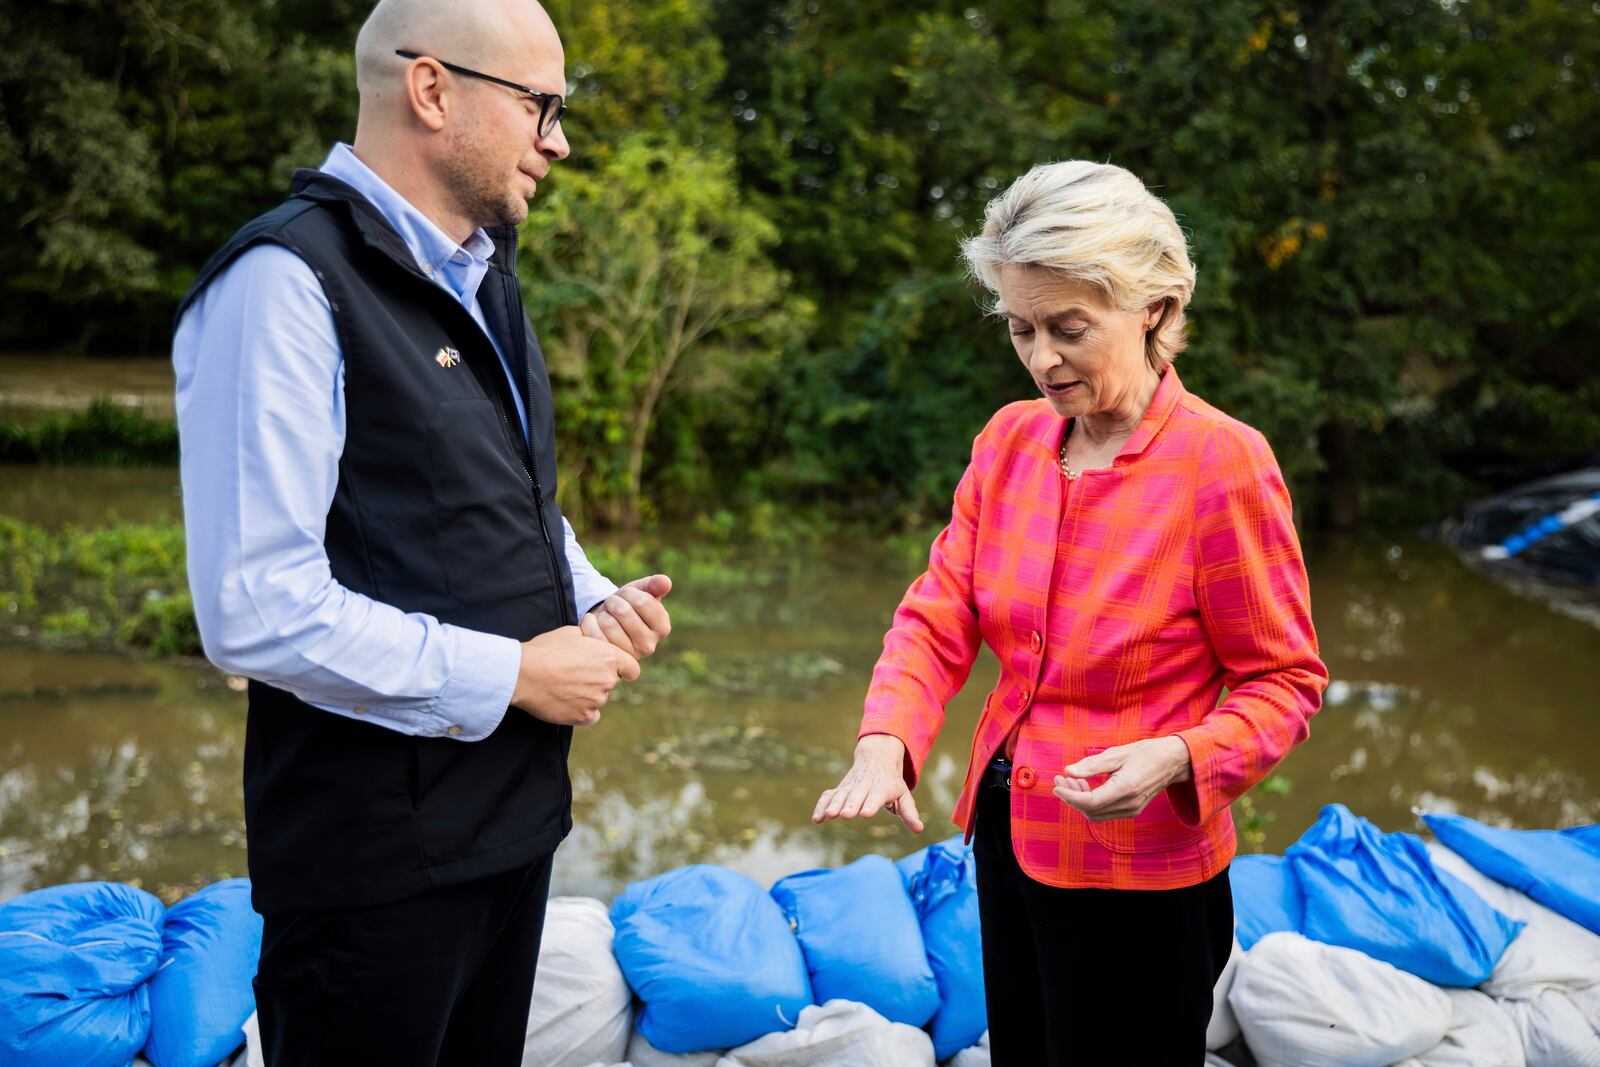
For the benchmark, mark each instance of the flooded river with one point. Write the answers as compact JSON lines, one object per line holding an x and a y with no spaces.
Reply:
{"x":1449,"y":693}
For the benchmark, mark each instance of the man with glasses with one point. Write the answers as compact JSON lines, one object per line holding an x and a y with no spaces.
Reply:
{"x":369,"y":486}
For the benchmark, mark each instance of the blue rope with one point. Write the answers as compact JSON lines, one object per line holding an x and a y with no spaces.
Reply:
{"x":1531,"y":535}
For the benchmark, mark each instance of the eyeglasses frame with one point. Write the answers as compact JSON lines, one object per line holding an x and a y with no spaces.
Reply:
{"x":547,"y":124}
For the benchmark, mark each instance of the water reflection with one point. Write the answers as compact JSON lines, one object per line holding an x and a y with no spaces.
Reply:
{"x":57,"y":383}
{"x":1450,"y":693}
{"x":53,"y":497}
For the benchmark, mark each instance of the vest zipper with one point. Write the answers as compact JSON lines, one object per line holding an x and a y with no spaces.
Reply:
{"x":514,"y":311}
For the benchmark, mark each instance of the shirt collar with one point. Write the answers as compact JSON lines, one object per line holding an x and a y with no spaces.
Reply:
{"x":434,"y":250}
{"x":1168,"y":393}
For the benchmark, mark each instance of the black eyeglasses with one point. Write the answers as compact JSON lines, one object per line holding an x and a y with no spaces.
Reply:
{"x":551,"y":107}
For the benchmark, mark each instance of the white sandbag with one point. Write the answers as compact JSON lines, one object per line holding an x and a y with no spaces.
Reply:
{"x":1305,"y":1004}
{"x":1552,"y":952}
{"x":975,"y":1056}
{"x":582,"y":1010}
{"x":1481,"y":1034}
{"x":641,"y":1053}
{"x":1223,"y":1027}
{"x":839,"y":1033}
{"x":1588,"y":1002}
{"x":1554,"y":1031}
{"x":251,"y":1056}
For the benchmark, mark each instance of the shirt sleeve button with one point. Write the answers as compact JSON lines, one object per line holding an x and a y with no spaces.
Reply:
{"x":359,"y":710}
{"x":453,"y":731}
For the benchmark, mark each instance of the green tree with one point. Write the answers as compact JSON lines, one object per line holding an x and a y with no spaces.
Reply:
{"x":672,"y":297}
{"x":130,"y":151}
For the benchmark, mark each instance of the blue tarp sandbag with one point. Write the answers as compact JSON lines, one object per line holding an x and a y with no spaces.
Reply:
{"x":1588,"y":836}
{"x":945,"y":895}
{"x":1380,"y":894}
{"x":861,"y":938}
{"x":711,"y":956}
{"x":1557,"y":868}
{"x":911,"y":865}
{"x":201,"y":996}
{"x":74,"y":961}
{"x":1266,"y":898}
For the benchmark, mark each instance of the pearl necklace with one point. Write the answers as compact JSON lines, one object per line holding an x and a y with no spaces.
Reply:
{"x":1066,"y":471}
{"x":1070,"y":474}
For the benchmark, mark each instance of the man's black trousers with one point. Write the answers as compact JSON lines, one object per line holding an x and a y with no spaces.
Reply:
{"x":442,"y":979}
{"x":1093,"y":976}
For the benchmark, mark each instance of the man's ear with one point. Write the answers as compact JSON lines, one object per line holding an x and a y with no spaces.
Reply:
{"x":426,"y":92}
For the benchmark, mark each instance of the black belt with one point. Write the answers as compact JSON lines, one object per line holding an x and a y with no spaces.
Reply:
{"x":998,"y":773}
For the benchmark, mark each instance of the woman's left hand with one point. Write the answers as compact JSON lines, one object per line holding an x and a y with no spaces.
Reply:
{"x":1137,"y":772}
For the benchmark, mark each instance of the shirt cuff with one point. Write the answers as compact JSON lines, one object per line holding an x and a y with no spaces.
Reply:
{"x":590,"y":590}
{"x":478,"y":692}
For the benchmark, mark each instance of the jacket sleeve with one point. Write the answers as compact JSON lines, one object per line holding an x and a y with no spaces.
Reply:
{"x":1255,"y":605}
{"x":930,"y":648}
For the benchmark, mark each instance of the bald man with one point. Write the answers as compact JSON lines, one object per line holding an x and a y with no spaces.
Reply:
{"x":369,"y":486}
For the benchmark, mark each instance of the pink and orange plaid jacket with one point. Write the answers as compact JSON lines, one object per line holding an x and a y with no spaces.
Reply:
{"x":1119,"y":604}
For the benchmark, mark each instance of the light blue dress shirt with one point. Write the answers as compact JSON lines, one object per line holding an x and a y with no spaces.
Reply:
{"x":261,"y":418}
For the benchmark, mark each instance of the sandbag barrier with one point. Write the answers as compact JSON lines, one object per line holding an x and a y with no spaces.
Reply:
{"x":93,"y":973}
{"x":1355,"y":947}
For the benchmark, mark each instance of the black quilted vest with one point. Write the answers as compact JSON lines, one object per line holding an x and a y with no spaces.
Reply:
{"x":440,"y":508}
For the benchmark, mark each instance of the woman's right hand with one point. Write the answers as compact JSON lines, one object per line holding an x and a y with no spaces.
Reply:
{"x":876,"y":780}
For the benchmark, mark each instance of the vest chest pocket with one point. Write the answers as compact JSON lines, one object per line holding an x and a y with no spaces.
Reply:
{"x":487,"y":525}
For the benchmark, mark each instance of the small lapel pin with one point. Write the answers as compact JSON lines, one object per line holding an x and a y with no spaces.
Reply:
{"x":447,"y":357}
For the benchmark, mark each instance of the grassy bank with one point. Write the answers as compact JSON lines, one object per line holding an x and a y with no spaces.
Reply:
{"x":104,"y":434}
{"x":123,"y":585}
{"x":120,"y":585}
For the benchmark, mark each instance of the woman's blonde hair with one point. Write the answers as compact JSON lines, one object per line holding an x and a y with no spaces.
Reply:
{"x":1099,"y":224}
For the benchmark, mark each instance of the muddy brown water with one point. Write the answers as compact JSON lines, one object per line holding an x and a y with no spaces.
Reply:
{"x":1449,"y":693}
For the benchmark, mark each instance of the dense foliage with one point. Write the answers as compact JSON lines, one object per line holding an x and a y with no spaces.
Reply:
{"x":747,"y":277}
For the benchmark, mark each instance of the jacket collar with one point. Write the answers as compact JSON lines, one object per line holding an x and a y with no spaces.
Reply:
{"x":375,"y":230}
{"x":1162,"y":405}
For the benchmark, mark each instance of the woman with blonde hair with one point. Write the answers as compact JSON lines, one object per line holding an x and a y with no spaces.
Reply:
{"x":1127,"y":551}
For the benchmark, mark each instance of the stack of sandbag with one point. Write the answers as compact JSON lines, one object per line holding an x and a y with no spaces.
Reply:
{"x":839,"y":1033}
{"x":75,"y":963}
{"x":973,"y":1055}
{"x":202,"y":993}
{"x":944,"y":892}
{"x":1558,"y":868}
{"x":1548,"y":981}
{"x":1301,"y":1003}
{"x":96,"y":972}
{"x":1379,"y":894}
{"x":1481,"y":1034}
{"x":641,"y":1053}
{"x":1266,"y":898}
{"x":861,"y":938}
{"x":711,"y":957}
{"x":582,"y":1009}
{"x":1223,"y":1028}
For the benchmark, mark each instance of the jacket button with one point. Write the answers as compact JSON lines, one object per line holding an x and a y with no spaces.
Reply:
{"x":453,"y":731}
{"x":1024,"y":777}
{"x":1027,"y":697}
{"x":1036,"y":642}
